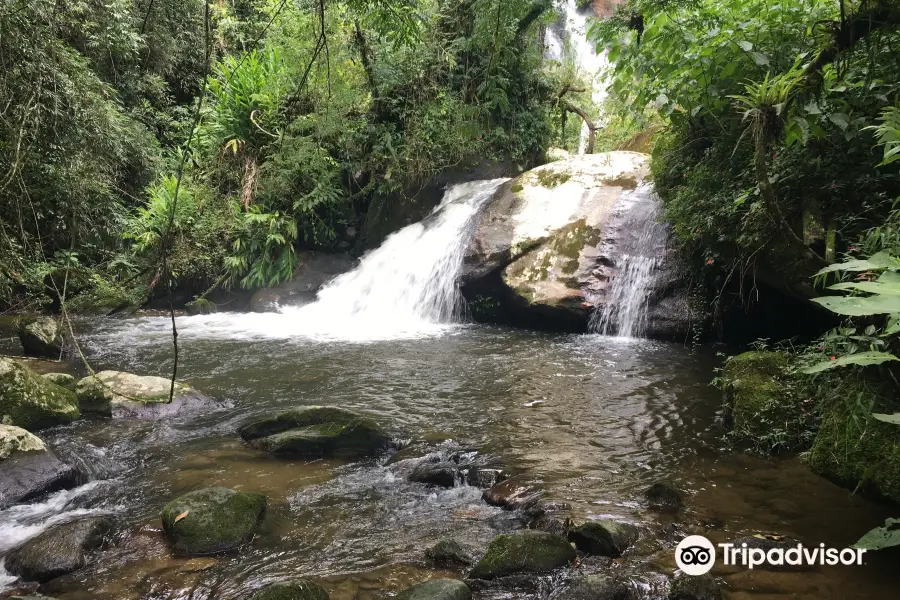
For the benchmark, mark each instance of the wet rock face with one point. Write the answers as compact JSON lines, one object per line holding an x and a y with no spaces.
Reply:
{"x":523,"y":552}
{"x":439,"y":474}
{"x":314,"y":270}
{"x":212,"y":520}
{"x":125,"y":395}
{"x":449,"y":552}
{"x":299,"y":589}
{"x":41,"y":336}
{"x":604,"y":537}
{"x":61,"y":379}
{"x":512,"y":494}
{"x":437,"y":589}
{"x":664,"y":496}
{"x":29,"y":401}
{"x":315,"y":431}
{"x":545,"y":246}
{"x":59,"y":550}
{"x":28,"y":469}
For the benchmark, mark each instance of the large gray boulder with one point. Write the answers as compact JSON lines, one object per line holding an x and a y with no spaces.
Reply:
{"x":41,"y":336}
{"x":29,"y":401}
{"x":547,"y":245}
{"x":59,"y":550}
{"x":119,"y":394}
{"x":212,"y":520}
{"x":314,"y":270}
{"x":28,"y":469}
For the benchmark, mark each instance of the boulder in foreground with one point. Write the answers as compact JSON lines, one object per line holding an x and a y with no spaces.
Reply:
{"x":59,"y":550}
{"x":41,"y":336}
{"x":119,"y":394}
{"x":526,"y":551}
{"x":29,"y":401}
{"x":212,"y":520}
{"x":28,"y":469}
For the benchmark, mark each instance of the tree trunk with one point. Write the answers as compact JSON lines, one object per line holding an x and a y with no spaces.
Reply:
{"x":592,"y":129}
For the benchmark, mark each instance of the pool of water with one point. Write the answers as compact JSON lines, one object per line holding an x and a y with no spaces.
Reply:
{"x":590,"y":420}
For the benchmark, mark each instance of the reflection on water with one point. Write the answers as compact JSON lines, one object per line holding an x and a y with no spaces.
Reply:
{"x":590,"y":420}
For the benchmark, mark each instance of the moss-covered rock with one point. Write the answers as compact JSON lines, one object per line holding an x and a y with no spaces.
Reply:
{"x":761,"y":404}
{"x":61,"y":379}
{"x":200,"y":306}
{"x":604,"y":537}
{"x":437,"y":589}
{"x":448,"y":551}
{"x":212,"y":520}
{"x":120,"y":394}
{"x":299,"y":589}
{"x":599,"y":587}
{"x":29,"y":401}
{"x":28,"y":469}
{"x":315,"y":431}
{"x":663,"y":495}
{"x":40,"y":336}
{"x":524,"y":552}
{"x":853,"y":449}
{"x":698,"y":587}
{"x":59,"y":550}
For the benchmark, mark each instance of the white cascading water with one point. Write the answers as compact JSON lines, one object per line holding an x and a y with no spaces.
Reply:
{"x":571,"y":31}
{"x":407,"y":287}
{"x":637,"y":248}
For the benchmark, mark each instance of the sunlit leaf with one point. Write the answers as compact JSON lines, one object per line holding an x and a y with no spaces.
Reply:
{"x":881,"y":537}
{"x":861,"y":359}
{"x":893,"y":419}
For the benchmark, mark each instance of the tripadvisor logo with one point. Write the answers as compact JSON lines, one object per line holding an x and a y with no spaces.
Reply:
{"x":696,"y":555}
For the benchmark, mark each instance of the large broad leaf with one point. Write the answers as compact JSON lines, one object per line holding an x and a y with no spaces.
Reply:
{"x":872,"y":287}
{"x":860,"y":306}
{"x":893,"y":419}
{"x":861,"y":358}
{"x":876,"y":262}
{"x":881,"y":537}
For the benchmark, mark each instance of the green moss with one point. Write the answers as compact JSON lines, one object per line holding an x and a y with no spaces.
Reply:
{"x":212,"y":520}
{"x":517,"y":187}
{"x":29,"y":401}
{"x":626,"y":182}
{"x":200,"y":306}
{"x":763,"y":404}
{"x":551,"y":179}
{"x":853,"y":449}
{"x":300,"y":589}
{"x":604,"y":537}
{"x":524,"y":552}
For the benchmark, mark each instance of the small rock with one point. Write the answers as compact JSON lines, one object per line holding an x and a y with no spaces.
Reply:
{"x":437,"y":589}
{"x":604,"y":537}
{"x":61,"y":379}
{"x":439,"y":474}
{"x":549,"y":524}
{"x":212,"y":520}
{"x":31,"y":402}
{"x":663,"y":495}
{"x":28,"y":469}
{"x":300,"y":589}
{"x":41,"y":336}
{"x":449,"y":552}
{"x":511,"y":494}
{"x":699,"y":587}
{"x":524,"y":552}
{"x":484,"y":477}
{"x":59,"y":550}
{"x":600,"y":587}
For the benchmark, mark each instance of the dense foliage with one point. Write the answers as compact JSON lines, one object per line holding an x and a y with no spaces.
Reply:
{"x":313,"y":117}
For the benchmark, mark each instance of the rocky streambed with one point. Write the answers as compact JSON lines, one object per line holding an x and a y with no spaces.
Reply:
{"x":482,"y":461}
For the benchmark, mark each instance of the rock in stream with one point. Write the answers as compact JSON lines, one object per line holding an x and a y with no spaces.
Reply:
{"x":212,"y":520}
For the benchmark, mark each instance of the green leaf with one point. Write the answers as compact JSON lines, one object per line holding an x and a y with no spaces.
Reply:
{"x":862,"y":359}
{"x":840,"y":119}
{"x":859,"y":306}
{"x":881,"y":537}
{"x":876,"y":262}
{"x":745,"y":45}
{"x":871,"y":287}
{"x":759,"y":58}
{"x":893,"y":419}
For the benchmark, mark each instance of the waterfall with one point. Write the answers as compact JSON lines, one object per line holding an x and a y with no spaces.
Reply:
{"x":636,"y":244}
{"x":407,"y":287}
{"x":571,"y":31}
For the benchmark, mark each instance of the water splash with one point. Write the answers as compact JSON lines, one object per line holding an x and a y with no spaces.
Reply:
{"x":636,"y":246}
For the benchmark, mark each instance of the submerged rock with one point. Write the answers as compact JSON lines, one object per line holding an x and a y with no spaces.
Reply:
{"x":299,"y":589}
{"x":663,"y":495}
{"x":118,"y":394}
{"x":512,"y":494}
{"x":698,"y":587}
{"x":59,"y":550}
{"x":545,"y":246}
{"x":448,"y":551}
{"x":28,"y":469}
{"x":29,"y":401}
{"x":600,"y":587}
{"x":524,"y":552}
{"x":212,"y":520}
{"x":61,"y":379}
{"x":315,"y":431}
{"x":437,"y":589}
{"x":41,"y":336}
{"x":604,"y":537}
